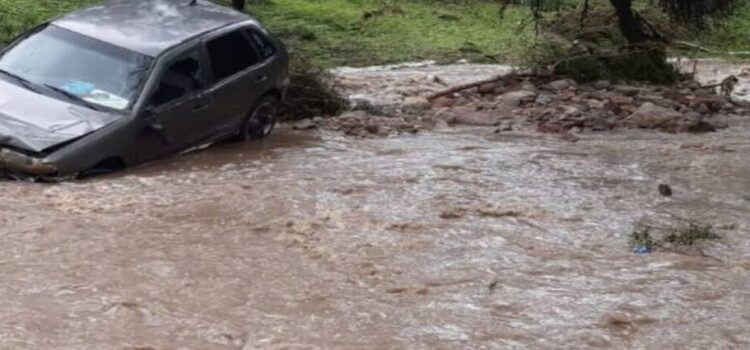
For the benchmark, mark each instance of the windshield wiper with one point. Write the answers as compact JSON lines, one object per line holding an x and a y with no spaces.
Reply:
{"x":73,"y":97}
{"x":29,"y":85}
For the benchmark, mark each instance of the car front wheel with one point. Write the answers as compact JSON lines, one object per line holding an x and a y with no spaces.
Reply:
{"x":261,"y":119}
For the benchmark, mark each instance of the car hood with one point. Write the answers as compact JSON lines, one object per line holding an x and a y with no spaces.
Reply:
{"x":35,"y":122}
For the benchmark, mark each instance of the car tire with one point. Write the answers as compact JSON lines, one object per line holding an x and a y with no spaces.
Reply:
{"x":260,"y":120}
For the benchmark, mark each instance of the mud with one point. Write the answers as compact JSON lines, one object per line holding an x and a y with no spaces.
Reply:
{"x":459,"y":238}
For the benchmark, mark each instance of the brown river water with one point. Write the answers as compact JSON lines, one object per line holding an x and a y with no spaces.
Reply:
{"x":460,"y":239}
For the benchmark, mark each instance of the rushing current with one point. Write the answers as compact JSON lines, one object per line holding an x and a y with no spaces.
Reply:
{"x":459,"y":239}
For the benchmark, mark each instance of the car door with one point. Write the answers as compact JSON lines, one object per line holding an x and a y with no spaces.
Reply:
{"x":179,"y":102}
{"x":238,"y":76}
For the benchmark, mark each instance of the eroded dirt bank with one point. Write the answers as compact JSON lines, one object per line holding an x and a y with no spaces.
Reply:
{"x":460,"y":238}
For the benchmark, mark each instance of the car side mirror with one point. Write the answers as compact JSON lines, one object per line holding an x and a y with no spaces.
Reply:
{"x":149,"y":116}
{"x":154,"y":124}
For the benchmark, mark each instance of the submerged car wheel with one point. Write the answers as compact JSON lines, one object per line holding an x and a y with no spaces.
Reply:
{"x":261,"y":119}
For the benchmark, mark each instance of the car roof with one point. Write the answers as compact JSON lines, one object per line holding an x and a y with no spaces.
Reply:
{"x":149,"y":27}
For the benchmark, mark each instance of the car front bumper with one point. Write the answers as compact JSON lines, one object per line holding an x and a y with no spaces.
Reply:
{"x":14,"y":161}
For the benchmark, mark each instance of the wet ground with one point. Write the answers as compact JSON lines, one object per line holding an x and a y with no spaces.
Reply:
{"x":441,"y":240}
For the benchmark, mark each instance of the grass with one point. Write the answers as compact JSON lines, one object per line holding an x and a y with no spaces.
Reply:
{"x":336,"y":32}
{"x":731,"y":34}
{"x":18,"y":15}
{"x":330,"y":33}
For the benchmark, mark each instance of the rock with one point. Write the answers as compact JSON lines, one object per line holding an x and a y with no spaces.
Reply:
{"x":468,"y":116}
{"x":550,"y":128}
{"x":703,"y":109}
{"x":372,"y":128}
{"x":700,"y":126}
{"x":416,"y":104}
{"x":441,"y":124}
{"x":505,"y":127}
{"x":443,"y":101}
{"x":566,"y":136}
{"x":436,"y":79}
{"x":561,"y":84}
{"x":650,"y":116}
{"x":528,"y":86}
{"x":544,"y":99}
{"x":602,"y":84}
{"x":568,"y":111}
{"x":444,"y":114}
{"x":693,"y":115}
{"x":626,"y":90}
{"x":305,"y":124}
{"x":665,"y":190}
{"x":595,"y":104}
{"x":709,"y":102}
{"x":619,"y":99}
{"x":486,"y":88}
{"x":516,"y":98}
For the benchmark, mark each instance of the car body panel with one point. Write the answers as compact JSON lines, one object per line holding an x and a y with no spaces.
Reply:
{"x":36,"y":122}
{"x":130,"y":24}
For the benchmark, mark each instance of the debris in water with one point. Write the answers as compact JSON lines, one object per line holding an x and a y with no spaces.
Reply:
{"x":665,"y":190}
{"x":642,"y":249}
{"x":493,"y":285}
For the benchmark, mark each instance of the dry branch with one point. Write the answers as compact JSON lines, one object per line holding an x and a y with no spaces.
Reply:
{"x":477,"y":84}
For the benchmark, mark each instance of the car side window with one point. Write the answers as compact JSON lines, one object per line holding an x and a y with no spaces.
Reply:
{"x":231,"y":54}
{"x":181,"y":77}
{"x":262,"y":42}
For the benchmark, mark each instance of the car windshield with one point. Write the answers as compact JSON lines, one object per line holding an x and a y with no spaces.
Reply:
{"x":77,"y":67}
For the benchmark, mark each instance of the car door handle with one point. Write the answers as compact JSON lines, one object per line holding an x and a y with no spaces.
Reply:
{"x":261,"y":78}
{"x":199,"y":107}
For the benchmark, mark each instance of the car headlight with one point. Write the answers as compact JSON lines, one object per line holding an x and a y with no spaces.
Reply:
{"x":18,"y":161}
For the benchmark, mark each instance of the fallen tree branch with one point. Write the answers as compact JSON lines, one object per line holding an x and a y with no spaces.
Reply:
{"x":457,"y":88}
{"x":476,"y":84}
{"x":705,"y":49}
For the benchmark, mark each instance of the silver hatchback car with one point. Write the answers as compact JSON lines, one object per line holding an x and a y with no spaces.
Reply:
{"x":126,"y":82}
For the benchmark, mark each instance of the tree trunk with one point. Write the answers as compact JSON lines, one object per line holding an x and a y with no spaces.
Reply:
{"x":239,"y":5}
{"x":630,"y":23}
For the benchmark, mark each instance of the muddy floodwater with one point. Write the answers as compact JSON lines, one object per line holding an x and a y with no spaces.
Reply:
{"x":459,"y":239}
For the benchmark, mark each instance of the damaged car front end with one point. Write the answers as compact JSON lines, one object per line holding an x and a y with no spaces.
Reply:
{"x":18,"y":165}
{"x":58,"y":88}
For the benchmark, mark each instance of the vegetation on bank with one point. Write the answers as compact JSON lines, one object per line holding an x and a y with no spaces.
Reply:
{"x":647,"y":238}
{"x":730,"y":34}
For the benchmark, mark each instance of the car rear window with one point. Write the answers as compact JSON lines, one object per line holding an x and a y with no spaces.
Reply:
{"x":231,"y":54}
{"x":262,"y":42}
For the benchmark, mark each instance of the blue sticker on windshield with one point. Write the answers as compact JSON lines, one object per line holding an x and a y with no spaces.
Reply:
{"x":80,"y":88}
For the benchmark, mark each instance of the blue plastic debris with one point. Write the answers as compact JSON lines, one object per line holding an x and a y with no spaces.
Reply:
{"x":80,"y":88}
{"x":641,"y":249}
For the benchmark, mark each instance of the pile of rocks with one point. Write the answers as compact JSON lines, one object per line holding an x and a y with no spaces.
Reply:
{"x":363,"y":124}
{"x":563,"y":105}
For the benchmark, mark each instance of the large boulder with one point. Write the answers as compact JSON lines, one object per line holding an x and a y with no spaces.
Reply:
{"x":516,"y":98}
{"x":469,"y":116}
{"x":561,"y":84}
{"x":651,"y":116}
